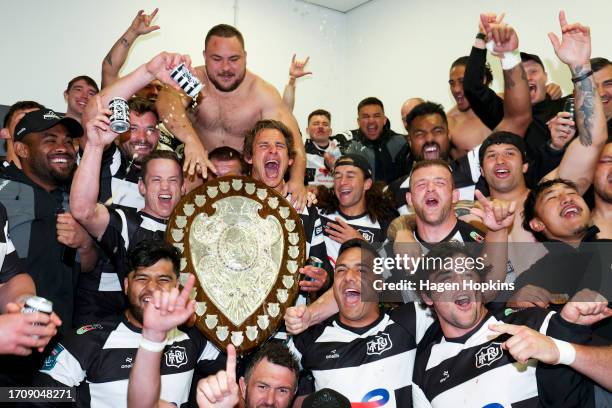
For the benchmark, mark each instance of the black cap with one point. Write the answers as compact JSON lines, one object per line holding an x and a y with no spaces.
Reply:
{"x":503,"y":137}
{"x":525,"y":56}
{"x":39,"y":120}
{"x":356,"y":160}
{"x":326,"y":398}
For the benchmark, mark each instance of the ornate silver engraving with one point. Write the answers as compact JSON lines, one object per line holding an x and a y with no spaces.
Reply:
{"x":224,"y":186}
{"x":251,"y":332}
{"x":200,"y":200}
{"x":237,"y":338}
{"x":237,"y":184}
{"x":222,"y":333}
{"x":188,"y":209}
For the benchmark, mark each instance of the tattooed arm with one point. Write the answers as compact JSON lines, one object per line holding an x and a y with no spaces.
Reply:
{"x":578,"y":163}
{"x":114,"y":60}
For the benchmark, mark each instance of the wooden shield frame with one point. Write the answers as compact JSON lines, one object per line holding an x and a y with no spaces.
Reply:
{"x":206,"y":201}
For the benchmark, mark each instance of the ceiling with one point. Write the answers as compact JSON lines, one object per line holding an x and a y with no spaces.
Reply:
{"x":339,"y":5}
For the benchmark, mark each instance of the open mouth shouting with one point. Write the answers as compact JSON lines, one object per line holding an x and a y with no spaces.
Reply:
{"x":352,"y":296}
{"x":272,"y":169}
{"x":463,"y":302}
{"x":431,"y":201}
{"x":570,"y":211}
{"x":431,"y":151}
{"x":502,"y":172}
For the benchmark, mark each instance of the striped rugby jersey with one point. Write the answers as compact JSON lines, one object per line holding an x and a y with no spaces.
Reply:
{"x":97,"y":359}
{"x":475,"y":371}
{"x":372,"y":363}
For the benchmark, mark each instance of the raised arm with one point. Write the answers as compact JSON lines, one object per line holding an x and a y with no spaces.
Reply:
{"x":517,"y":104}
{"x":114,"y":60}
{"x":296,"y":70}
{"x":580,"y":158}
{"x":84,"y":206}
{"x":485,"y":103}
{"x":299,"y":318}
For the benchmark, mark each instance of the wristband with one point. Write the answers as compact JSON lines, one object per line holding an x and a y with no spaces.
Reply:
{"x":567,"y":352}
{"x":582,"y":77}
{"x":509,"y":59}
{"x":151,"y":345}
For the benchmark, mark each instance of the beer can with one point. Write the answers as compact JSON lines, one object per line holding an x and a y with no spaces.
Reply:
{"x":120,"y":115}
{"x":35,"y":304}
{"x":186,"y":80}
{"x":313,"y":261}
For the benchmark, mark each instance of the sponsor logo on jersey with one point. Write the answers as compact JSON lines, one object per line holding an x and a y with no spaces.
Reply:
{"x":176,"y":356}
{"x":332,"y":354}
{"x":88,"y":327}
{"x":373,"y":399}
{"x":476,"y":236}
{"x":51,"y":360}
{"x":489,"y":354}
{"x":367,"y":235}
{"x":379,"y":344}
{"x":128,"y":363}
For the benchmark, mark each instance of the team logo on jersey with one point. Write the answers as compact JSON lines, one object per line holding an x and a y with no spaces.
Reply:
{"x":367,"y":235}
{"x":489,"y":354}
{"x":319,"y":230}
{"x":176,"y":356}
{"x":379,"y":344}
{"x":51,"y":360}
{"x":89,"y":327}
{"x":476,"y":236}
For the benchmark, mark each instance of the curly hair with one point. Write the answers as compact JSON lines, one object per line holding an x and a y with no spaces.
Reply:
{"x":380,"y":202}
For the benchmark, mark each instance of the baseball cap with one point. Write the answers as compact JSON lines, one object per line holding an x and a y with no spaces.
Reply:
{"x":503,"y":137}
{"x":525,"y":56}
{"x":39,"y":120}
{"x":355,"y":160}
{"x":326,"y":398}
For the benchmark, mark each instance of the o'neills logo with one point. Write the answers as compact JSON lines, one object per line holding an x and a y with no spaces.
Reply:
{"x":50,"y":115}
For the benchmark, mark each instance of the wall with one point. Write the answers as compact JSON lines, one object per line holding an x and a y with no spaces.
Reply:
{"x":393,"y":49}
{"x":45,"y":44}
{"x":402,"y":49}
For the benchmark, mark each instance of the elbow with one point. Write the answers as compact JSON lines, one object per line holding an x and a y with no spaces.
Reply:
{"x":81,"y":210}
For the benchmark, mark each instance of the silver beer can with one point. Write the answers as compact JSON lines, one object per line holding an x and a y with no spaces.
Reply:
{"x":186,"y":80}
{"x":120,"y":115}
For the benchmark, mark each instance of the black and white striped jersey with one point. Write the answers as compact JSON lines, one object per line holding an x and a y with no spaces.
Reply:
{"x":475,"y":371}
{"x":368,"y":364}
{"x":119,"y":180}
{"x":372,"y":231}
{"x":97,"y":359}
{"x":9,"y":260}
{"x":462,"y":232}
{"x":100,"y":292}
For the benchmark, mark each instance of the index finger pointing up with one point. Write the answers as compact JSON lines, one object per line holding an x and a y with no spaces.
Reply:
{"x":230,"y":367}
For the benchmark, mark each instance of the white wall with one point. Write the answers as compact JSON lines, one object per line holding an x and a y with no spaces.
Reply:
{"x":393,"y":49}
{"x":400,"y":49}
{"x":45,"y":44}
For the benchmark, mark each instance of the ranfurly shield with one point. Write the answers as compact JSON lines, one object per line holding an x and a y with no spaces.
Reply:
{"x":245,"y":244}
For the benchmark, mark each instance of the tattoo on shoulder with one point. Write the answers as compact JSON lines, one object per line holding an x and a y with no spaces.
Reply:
{"x":585,"y":112}
{"x":125,"y":42}
{"x":108,"y":59}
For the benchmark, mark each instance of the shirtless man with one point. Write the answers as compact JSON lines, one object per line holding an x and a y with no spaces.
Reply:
{"x":234,"y":99}
{"x":466,"y":131}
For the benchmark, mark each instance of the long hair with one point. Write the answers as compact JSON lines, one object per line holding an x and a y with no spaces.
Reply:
{"x":380,"y":203}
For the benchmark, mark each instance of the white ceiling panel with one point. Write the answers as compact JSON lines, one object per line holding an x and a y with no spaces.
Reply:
{"x":339,"y":5}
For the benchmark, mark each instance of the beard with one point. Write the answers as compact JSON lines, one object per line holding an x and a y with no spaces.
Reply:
{"x":224,"y":88}
{"x":40,"y":166}
{"x":136,"y":312}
